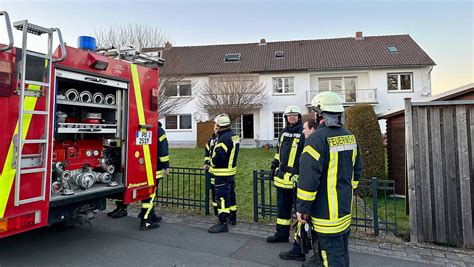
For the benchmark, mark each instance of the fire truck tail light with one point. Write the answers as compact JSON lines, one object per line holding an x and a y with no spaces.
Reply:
{"x":21,"y":221}
{"x":3,"y":225}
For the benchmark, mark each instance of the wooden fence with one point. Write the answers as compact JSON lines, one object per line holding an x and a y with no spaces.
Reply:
{"x":440,"y":170}
{"x":204,"y":132}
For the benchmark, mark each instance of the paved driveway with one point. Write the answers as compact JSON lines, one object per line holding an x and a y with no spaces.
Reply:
{"x":118,"y":242}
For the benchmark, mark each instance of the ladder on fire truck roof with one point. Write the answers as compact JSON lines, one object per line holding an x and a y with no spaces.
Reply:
{"x":133,"y":55}
{"x":36,"y":89}
{"x":9,"y":31}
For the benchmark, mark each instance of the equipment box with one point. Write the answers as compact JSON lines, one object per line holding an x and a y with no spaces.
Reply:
{"x":89,"y":136}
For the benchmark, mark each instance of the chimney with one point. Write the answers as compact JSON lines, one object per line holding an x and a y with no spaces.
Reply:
{"x":263,"y":41}
{"x":359,"y":36}
{"x":168,"y":45}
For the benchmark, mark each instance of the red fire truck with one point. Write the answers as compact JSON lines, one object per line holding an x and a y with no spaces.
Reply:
{"x":78,"y":127}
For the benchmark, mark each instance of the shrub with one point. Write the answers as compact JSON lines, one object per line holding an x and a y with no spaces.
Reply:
{"x":362,"y":122}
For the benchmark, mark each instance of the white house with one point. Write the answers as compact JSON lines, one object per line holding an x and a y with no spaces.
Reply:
{"x":379,"y":70}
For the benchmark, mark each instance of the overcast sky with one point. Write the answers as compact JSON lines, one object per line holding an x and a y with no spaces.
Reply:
{"x":444,"y":29}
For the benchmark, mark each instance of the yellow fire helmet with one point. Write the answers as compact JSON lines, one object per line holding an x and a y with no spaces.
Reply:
{"x":327,"y":102}
{"x":222,"y":120}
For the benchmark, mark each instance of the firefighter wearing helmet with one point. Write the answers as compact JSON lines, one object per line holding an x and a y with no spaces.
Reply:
{"x":147,"y":215}
{"x":285,"y":172}
{"x":223,"y":167}
{"x":330,"y":169}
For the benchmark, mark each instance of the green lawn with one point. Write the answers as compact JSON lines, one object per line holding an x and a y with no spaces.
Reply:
{"x":390,"y":209}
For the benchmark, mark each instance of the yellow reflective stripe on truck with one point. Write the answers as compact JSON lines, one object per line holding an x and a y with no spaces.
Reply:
{"x":8,"y":172}
{"x":141,"y":120}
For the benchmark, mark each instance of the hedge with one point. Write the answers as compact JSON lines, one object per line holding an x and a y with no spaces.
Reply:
{"x":362,"y":122}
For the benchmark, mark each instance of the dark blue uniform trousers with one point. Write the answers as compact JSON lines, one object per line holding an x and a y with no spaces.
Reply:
{"x":225,"y":198}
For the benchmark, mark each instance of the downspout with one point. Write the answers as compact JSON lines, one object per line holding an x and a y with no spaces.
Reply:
{"x":429,"y":76}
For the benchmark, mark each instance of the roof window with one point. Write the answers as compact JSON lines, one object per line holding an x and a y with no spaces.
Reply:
{"x":232,"y":57}
{"x":392,"y":49}
{"x":279,"y":54}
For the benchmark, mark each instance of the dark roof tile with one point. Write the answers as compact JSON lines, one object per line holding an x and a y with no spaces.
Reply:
{"x":323,"y":54}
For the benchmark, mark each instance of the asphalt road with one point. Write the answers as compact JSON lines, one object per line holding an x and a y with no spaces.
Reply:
{"x":118,"y":242}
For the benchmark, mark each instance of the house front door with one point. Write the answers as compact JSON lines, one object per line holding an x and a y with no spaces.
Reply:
{"x":247,"y":125}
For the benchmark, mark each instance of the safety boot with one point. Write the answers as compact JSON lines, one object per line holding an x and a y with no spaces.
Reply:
{"x":277,"y":239}
{"x":148,"y":225}
{"x":118,"y":207}
{"x":218,"y":228}
{"x":314,"y":261}
{"x":293,"y":254}
{"x":122,"y":212}
{"x":155,"y":218}
{"x":111,"y":213}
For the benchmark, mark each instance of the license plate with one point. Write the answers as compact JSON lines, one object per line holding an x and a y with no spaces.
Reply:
{"x":143,"y":138}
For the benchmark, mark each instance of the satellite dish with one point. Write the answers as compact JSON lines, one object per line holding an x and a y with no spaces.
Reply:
{"x":197,"y":116}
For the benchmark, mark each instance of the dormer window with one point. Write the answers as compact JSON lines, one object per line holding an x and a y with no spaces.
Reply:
{"x":279,"y":54}
{"x":232,"y":57}
{"x":392,"y":49}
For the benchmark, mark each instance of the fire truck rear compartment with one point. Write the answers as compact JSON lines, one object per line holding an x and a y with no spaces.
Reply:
{"x":89,"y":143}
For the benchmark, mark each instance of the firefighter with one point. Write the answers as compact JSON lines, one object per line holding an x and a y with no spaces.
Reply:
{"x":285,"y":168}
{"x":148,"y":217}
{"x":223,"y":168}
{"x":309,"y":127}
{"x":207,"y":164}
{"x":330,"y":169}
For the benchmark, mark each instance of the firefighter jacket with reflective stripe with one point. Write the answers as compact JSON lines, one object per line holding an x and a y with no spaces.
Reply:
{"x":208,"y":149}
{"x":224,"y":154}
{"x":290,"y":146}
{"x":330,"y":168}
{"x":163,"y":156}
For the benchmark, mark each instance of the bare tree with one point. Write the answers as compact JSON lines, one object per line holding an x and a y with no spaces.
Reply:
{"x":149,"y":39}
{"x":175,"y":92}
{"x":233,"y":94}
{"x":142,"y":35}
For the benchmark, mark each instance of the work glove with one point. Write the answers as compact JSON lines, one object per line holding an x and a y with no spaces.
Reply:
{"x":275,"y":164}
{"x":294,"y":179}
{"x":272,"y":174}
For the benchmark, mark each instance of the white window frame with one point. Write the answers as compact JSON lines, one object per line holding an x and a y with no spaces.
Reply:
{"x":230,"y":55}
{"x":399,"y":84}
{"x":343,"y":85}
{"x":276,"y":133}
{"x":178,"y":91}
{"x":285,"y":79}
{"x":343,"y":81}
{"x":178,"y":122}
{"x":237,"y":126}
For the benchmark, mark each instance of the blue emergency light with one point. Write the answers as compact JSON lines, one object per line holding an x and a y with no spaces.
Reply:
{"x":87,"y":43}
